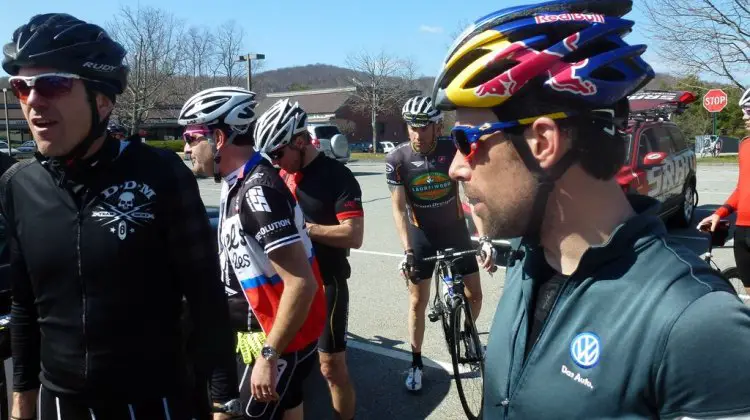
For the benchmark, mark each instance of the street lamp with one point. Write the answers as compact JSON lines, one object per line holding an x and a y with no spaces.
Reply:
{"x":7,"y":129}
{"x":249,"y":58}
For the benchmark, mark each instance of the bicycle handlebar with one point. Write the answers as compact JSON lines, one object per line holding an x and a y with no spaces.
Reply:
{"x":502,"y":247}
{"x":456,"y":254}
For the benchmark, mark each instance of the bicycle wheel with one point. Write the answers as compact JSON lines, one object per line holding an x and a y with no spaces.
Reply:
{"x":733,"y":275}
{"x":467,"y":355}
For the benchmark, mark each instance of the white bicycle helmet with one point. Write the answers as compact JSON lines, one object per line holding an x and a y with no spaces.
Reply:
{"x":232,"y":106}
{"x":419,"y":112}
{"x":745,"y":100}
{"x":277,"y":126}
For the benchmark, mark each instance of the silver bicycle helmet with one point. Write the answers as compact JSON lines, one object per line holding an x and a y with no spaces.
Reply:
{"x":419,"y":112}
{"x":745,"y":99}
{"x":277,"y":126}
{"x":229,"y":105}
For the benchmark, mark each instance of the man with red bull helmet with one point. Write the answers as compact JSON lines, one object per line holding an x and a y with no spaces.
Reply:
{"x":738,"y":202}
{"x":602,"y":315}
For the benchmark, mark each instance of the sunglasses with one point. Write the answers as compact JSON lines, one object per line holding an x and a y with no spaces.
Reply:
{"x":745,"y":111}
{"x":192,"y":133}
{"x":48,"y":85}
{"x":466,"y":138}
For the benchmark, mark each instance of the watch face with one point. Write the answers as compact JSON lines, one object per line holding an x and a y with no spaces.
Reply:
{"x":268,"y":352}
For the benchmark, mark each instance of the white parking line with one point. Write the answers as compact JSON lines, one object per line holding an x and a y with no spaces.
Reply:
{"x":385,"y":254}
{"x":402,"y":355}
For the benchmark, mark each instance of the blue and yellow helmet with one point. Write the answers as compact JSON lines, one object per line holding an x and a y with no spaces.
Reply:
{"x":572,"y":48}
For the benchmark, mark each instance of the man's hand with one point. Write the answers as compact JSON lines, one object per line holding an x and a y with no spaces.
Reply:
{"x":709,"y":223}
{"x":486,"y":258}
{"x":24,"y":404}
{"x":407,"y":267}
{"x":222,"y":416}
{"x":263,"y":380}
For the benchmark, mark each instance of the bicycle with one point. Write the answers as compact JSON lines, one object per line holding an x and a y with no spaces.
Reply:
{"x":450,"y":306}
{"x":731,"y":274}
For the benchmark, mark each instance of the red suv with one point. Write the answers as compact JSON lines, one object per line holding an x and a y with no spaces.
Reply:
{"x":658,"y":161}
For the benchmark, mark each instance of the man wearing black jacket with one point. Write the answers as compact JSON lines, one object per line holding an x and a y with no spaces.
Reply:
{"x":105,"y":237}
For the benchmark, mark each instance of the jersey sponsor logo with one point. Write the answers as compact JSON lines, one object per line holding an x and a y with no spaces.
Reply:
{"x":431,"y":186}
{"x":256,"y":200}
{"x":351,"y":204}
{"x":267,"y":229}
{"x":388,"y":168}
{"x":235,"y":245}
{"x":442,"y":159}
{"x":585,"y":350}
{"x":418,"y":164}
{"x":577,"y":377}
{"x":125,"y":207}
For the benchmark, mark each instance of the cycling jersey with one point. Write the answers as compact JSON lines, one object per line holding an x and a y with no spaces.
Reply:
{"x":739,"y":201}
{"x":431,"y":195}
{"x":328,"y":193}
{"x":259,"y":215}
{"x":101,"y":257}
{"x":642,"y":329}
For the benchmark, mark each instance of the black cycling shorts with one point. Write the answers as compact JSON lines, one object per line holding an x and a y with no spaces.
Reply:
{"x":293,"y":368}
{"x":59,"y":407}
{"x":453,"y":235}
{"x":742,"y":252}
{"x":333,"y":338}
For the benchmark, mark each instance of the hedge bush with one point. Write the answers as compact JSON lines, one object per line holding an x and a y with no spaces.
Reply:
{"x":174,"y":145}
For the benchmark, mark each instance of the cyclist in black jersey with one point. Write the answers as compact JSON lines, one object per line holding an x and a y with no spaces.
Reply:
{"x":106,"y":238}
{"x":331,"y":200}
{"x":428,"y":215}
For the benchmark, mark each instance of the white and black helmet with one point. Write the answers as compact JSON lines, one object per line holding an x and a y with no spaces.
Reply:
{"x":745,"y":99}
{"x":232,"y":106}
{"x":419,"y":112}
{"x":277,"y":126}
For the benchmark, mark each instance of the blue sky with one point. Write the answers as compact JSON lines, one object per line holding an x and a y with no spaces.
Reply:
{"x":299,"y":32}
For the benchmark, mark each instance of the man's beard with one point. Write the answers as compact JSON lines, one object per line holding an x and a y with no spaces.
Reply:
{"x":505,"y":219}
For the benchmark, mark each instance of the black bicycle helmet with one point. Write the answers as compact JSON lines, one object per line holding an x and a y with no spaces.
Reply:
{"x":65,"y":43}
{"x":61,"y":41}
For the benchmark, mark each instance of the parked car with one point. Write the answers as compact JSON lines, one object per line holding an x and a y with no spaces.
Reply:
{"x":388,"y":146}
{"x":4,"y":149}
{"x":328,"y":139}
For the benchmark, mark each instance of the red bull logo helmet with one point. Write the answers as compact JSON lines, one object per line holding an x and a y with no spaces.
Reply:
{"x":573,"y":48}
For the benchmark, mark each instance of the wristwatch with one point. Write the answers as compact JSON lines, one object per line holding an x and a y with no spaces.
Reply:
{"x":269,"y":353}
{"x":231,"y":407}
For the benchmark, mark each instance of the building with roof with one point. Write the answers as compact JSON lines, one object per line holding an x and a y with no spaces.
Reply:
{"x":324,"y":106}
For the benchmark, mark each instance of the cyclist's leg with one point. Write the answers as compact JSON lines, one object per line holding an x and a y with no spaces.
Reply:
{"x":742,"y":254}
{"x":419,"y":288}
{"x":332,"y":348}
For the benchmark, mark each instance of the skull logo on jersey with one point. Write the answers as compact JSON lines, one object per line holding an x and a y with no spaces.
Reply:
{"x":125,"y":207}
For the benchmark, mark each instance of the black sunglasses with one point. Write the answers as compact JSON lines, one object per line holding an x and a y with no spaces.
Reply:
{"x":277,"y":154}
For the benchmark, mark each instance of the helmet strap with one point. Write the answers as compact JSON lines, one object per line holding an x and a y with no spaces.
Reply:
{"x":546,"y":182}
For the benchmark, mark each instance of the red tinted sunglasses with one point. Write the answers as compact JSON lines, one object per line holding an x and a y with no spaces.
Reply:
{"x":49,"y":85}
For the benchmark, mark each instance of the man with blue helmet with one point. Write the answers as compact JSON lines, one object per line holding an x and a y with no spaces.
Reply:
{"x":604,"y":315}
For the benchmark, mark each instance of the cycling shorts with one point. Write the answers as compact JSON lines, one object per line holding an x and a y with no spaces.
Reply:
{"x":59,"y":407}
{"x":454,"y":235}
{"x":333,"y":338}
{"x":293,"y":369}
{"x":742,"y":252}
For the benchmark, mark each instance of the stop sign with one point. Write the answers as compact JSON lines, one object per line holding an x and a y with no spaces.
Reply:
{"x":715,"y":100}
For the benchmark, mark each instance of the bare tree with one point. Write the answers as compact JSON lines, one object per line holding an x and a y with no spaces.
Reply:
{"x":383,"y":83}
{"x":201,"y":51}
{"x":702,"y":36}
{"x":155,"y":44}
{"x":347,"y":127}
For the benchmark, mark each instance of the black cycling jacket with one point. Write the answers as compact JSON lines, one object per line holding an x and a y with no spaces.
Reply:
{"x":101,"y":258}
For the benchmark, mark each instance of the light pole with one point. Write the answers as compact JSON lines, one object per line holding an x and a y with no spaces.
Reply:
{"x":7,"y":129}
{"x":249,"y":58}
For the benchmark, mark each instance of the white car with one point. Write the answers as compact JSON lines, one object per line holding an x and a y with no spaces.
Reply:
{"x":387,"y":146}
{"x":328,"y":139}
{"x":4,"y":148}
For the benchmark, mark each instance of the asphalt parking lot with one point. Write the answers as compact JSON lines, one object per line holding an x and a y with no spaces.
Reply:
{"x":378,"y":337}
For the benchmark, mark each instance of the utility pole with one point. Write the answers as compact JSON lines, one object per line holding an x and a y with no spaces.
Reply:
{"x":249,"y":58}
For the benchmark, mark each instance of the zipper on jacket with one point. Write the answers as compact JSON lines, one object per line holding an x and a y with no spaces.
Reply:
{"x":533,"y":346}
{"x":83,"y":297}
